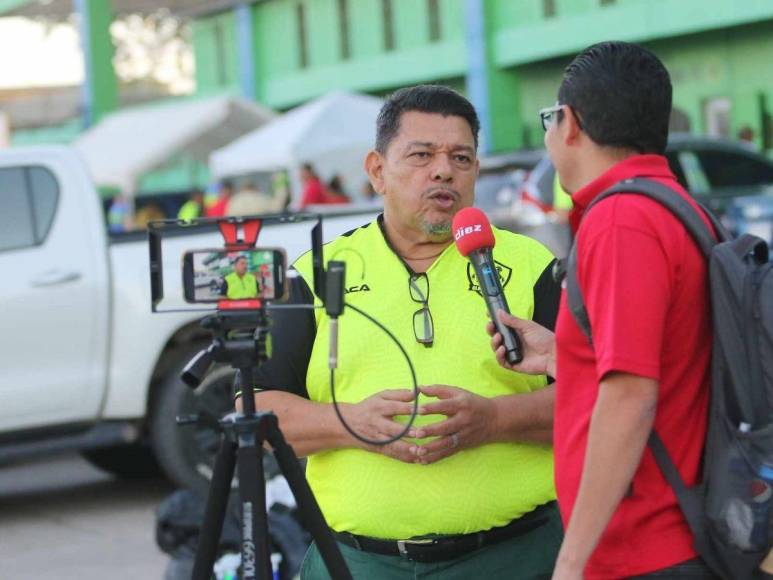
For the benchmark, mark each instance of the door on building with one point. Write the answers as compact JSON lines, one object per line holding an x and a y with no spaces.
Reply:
{"x":716,"y":114}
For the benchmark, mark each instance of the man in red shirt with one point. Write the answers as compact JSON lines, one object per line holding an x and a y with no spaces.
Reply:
{"x":644,"y":283}
{"x":218,"y":209}
{"x":313,"y":189}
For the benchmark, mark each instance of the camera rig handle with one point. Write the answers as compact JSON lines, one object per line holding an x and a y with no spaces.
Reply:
{"x":239,"y":233}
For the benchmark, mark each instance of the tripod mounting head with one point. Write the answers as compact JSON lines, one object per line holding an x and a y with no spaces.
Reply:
{"x":239,"y":338}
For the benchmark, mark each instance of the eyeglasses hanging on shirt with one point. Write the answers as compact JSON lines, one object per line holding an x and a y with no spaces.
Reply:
{"x":423,"y":328}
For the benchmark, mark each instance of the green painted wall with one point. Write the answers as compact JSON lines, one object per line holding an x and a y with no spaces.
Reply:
{"x":215,"y":53}
{"x":713,"y":48}
{"x":282,"y":82}
{"x":104,"y":86}
{"x":734,"y":63}
{"x":179,"y":174}
{"x":539,"y":84}
{"x":64,"y":133}
{"x":579,"y":23}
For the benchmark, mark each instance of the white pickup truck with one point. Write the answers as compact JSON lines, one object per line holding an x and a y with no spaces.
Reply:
{"x":84,"y":364}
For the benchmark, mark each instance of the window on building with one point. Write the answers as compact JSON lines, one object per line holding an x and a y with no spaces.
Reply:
{"x":303,"y":45}
{"x":389,"y":25}
{"x":549,"y":8}
{"x":433,"y":11}
{"x":716,"y":112}
{"x":28,"y":198}
{"x":221,"y":64}
{"x":343,"y":19}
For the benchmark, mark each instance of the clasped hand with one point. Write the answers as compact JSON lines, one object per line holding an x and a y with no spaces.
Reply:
{"x":470,"y":420}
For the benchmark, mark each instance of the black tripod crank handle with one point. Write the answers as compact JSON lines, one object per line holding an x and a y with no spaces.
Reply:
{"x":183,"y":420}
{"x":204,"y":419}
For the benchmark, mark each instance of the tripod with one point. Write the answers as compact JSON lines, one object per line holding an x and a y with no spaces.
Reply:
{"x":240,"y":339}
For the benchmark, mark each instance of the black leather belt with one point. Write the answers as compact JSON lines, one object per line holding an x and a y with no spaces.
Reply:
{"x":428,"y":550}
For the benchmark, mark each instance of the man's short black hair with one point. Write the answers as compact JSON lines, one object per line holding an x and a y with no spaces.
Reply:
{"x":423,"y":99}
{"x":621,"y":94}
{"x":238,"y":258}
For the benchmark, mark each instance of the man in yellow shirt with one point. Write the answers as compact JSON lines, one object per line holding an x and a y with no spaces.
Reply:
{"x":240,"y":284}
{"x":469,"y":493}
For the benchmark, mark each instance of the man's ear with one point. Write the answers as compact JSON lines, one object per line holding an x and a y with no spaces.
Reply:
{"x":570,"y":129}
{"x":374,"y":167}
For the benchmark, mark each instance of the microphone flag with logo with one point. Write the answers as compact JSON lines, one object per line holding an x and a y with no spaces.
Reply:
{"x":475,"y":240}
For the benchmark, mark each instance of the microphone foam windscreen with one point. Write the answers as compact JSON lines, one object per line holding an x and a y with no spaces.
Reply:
{"x":472,"y":231}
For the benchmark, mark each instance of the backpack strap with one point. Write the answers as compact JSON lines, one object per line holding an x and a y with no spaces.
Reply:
{"x":688,"y":501}
{"x":668,"y":198}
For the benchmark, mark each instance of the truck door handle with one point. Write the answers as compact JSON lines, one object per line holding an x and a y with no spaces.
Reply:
{"x":55,"y":278}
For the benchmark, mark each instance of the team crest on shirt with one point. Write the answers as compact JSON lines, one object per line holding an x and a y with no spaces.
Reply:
{"x":505,"y":273}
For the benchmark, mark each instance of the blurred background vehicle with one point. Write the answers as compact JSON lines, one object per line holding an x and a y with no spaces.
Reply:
{"x":730,"y":178}
{"x":86,"y":365}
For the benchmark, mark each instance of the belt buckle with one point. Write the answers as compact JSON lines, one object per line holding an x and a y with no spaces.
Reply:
{"x":401,"y":545}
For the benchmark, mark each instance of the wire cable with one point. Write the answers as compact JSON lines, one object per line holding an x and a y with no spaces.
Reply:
{"x":414,"y":411}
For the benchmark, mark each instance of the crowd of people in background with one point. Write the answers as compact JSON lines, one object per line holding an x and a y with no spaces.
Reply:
{"x":248,"y":199}
{"x":316,"y":193}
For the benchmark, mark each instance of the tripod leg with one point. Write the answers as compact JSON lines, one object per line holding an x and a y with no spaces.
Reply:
{"x":217,"y":500}
{"x":256,"y":556}
{"x":307,"y":504}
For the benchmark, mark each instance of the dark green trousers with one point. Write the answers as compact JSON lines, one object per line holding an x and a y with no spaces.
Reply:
{"x":528,"y":557}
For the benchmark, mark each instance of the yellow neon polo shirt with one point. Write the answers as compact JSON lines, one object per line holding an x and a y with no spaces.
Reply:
{"x":241,"y":287}
{"x":369,"y":494}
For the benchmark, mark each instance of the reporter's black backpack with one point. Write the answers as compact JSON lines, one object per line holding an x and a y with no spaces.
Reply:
{"x":731,"y":512}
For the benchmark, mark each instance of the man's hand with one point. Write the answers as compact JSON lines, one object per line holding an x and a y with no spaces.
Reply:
{"x":373,"y":418}
{"x":471,"y":421}
{"x":538,"y":342}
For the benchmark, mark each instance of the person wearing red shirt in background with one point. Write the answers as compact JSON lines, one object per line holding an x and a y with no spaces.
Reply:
{"x":335,"y":191}
{"x":313,"y":189}
{"x":645,"y":286}
{"x":218,"y":209}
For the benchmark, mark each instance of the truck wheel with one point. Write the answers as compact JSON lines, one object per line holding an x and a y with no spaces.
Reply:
{"x":126,"y":461}
{"x":187,"y":453}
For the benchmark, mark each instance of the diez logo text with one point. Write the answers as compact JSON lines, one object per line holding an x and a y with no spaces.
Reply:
{"x":461,"y":232}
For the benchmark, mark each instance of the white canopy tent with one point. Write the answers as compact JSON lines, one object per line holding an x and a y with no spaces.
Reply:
{"x":333,"y":133}
{"x":129,"y":143}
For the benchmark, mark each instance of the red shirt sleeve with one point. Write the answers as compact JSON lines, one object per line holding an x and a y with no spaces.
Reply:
{"x":627,"y":306}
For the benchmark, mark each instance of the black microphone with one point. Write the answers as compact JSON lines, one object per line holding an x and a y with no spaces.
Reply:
{"x":334,"y":305}
{"x":475,"y":240}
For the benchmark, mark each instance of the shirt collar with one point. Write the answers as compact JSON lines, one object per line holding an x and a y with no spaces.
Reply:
{"x":382,"y":229}
{"x":635,"y":166}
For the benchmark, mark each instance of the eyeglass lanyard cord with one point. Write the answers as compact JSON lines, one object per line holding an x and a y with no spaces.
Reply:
{"x":414,"y":411}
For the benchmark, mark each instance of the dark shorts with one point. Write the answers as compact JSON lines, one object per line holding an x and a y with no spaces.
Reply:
{"x":531,"y":556}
